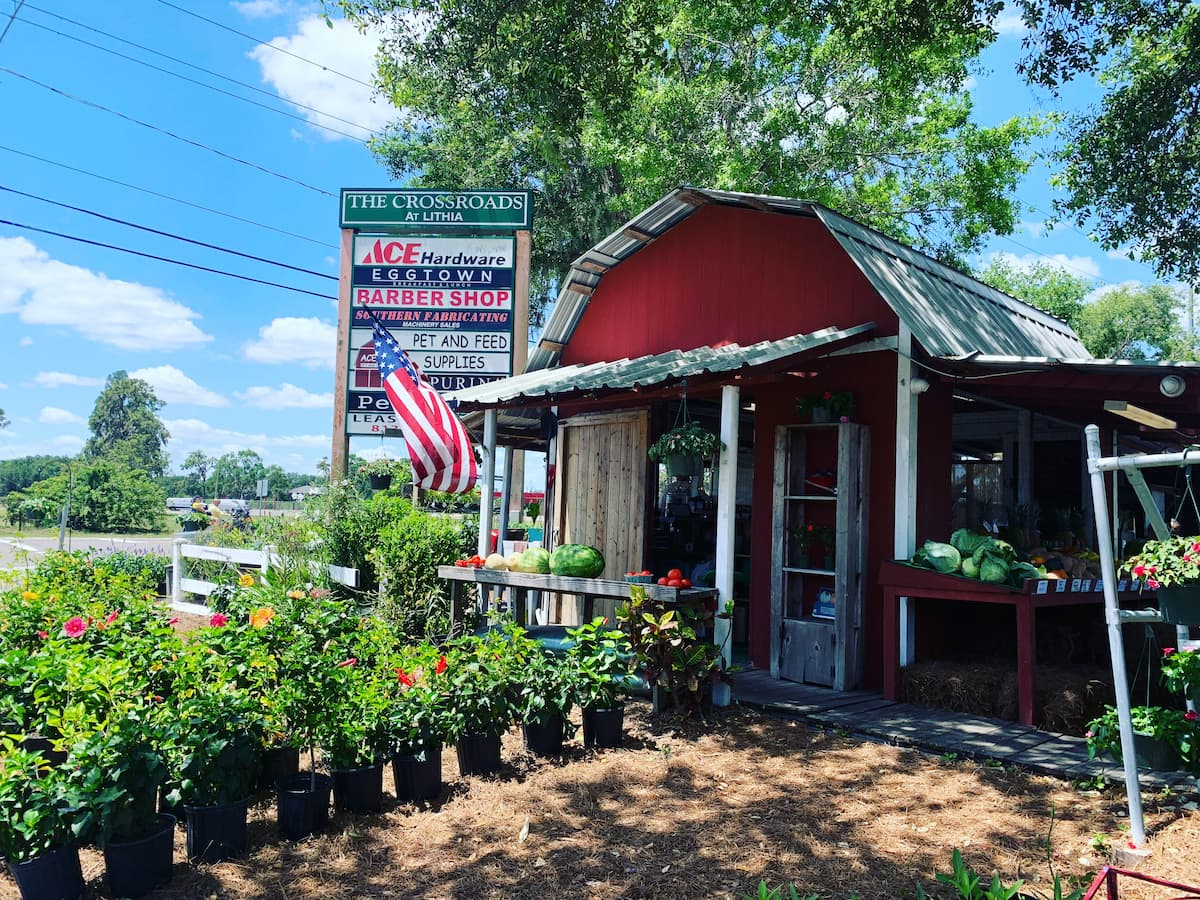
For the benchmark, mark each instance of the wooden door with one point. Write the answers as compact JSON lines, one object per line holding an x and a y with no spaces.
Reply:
{"x":600,"y":493}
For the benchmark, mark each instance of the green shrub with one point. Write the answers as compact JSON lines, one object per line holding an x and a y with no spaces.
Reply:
{"x":406,"y":555}
{"x":106,"y":497}
{"x":147,"y":569}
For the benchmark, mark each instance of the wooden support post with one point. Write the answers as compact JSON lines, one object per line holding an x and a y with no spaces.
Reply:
{"x":340,"y":450}
{"x":726,"y":519}
{"x":905,"y":512}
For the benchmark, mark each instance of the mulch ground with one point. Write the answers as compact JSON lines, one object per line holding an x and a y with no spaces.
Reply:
{"x":686,"y":811}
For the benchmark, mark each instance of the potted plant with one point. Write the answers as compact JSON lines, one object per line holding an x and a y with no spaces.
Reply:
{"x":533,"y":510}
{"x":1181,"y":672}
{"x":826,"y":407}
{"x":1164,"y":739}
{"x":601,"y":658}
{"x":548,"y":689}
{"x":1171,"y":567}
{"x":115,"y":774}
{"x":480,"y":686}
{"x":671,"y":647}
{"x":211,"y":737}
{"x":193,"y":521}
{"x":36,"y":820}
{"x":352,"y":734}
{"x":812,"y":545}
{"x":685,"y":448}
{"x":380,"y":472}
{"x":416,"y":723}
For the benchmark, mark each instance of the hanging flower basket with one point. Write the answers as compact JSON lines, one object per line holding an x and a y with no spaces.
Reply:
{"x":688,"y":440}
{"x":380,"y":482}
{"x":1180,"y":604}
{"x":684,"y":464}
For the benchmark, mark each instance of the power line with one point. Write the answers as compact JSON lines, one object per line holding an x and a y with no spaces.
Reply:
{"x":168,"y":234}
{"x":149,"y":65}
{"x":1057,"y":262}
{"x":11,"y":19}
{"x":251,"y":37}
{"x":166,"y":259}
{"x":170,"y":134}
{"x":161,"y":196}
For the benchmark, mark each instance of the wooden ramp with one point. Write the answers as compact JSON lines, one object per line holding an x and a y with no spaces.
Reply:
{"x":938,"y":730}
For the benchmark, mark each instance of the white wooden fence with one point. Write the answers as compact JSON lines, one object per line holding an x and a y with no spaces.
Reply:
{"x":262,"y":560}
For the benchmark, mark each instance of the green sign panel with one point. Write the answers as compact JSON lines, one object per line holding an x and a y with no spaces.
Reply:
{"x":400,"y":210}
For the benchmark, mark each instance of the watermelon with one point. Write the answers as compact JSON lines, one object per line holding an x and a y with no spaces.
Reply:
{"x":577,"y":561}
{"x":535,"y":560}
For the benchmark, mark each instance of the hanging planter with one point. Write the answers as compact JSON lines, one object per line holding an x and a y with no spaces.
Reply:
{"x":686,"y":447}
{"x":1180,"y":604}
{"x":380,"y":482}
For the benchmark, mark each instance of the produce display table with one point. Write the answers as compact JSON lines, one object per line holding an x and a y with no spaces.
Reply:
{"x":590,"y":589}
{"x":901,"y":579}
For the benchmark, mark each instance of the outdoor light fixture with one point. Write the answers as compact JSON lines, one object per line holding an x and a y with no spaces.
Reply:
{"x":1172,"y":386}
{"x":918,"y":385}
{"x":1138,"y":414}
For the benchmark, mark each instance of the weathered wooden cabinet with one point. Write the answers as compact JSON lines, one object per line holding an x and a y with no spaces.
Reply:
{"x":817,"y":591}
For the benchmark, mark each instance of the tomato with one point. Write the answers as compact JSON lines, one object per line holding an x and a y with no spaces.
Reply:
{"x":645,"y":572}
{"x":630,"y":574}
{"x":675,"y":573}
{"x":685,"y":583}
{"x":461,"y":563}
{"x":663,"y":580}
{"x":674,"y":582}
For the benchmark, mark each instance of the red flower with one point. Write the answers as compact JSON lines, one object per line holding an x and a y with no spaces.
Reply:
{"x":173,"y":621}
{"x":1187,"y":557}
{"x":827,"y":396}
{"x":1191,"y":716}
{"x":74,"y":627}
{"x":441,"y":665}
{"x":347,"y":662}
{"x":404,"y":678}
{"x":1132,"y":845}
{"x":1139,"y":571}
{"x":1167,"y":651}
{"x":218,"y":620}
{"x":1152,"y":584}
{"x":1196,"y":547}
{"x":43,"y":634}
{"x":111,"y":617}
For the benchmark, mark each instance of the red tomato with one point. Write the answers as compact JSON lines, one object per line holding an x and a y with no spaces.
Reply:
{"x":645,"y":572}
{"x":630,"y":574}
{"x":674,"y":582}
{"x":685,"y":583}
{"x":675,"y":573}
{"x":663,"y":580}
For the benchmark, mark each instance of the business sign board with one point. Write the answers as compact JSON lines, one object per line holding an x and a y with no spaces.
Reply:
{"x":448,"y":301}
{"x":396,"y":210}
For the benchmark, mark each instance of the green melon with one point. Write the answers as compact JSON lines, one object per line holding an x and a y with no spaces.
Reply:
{"x":535,"y":560}
{"x":577,"y":561}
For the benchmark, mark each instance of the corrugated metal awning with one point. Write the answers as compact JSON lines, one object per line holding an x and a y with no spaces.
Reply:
{"x":553,"y":385}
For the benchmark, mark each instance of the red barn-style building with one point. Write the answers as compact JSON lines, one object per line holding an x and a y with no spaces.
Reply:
{"x":744,"y":312}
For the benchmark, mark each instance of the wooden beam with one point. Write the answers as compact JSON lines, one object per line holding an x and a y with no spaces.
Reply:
{"x":552,"y":346}
{"x":637,"y":234}
{"x":692,"y":198}
{"x":339,"y":451}
{"x":580,"y":288}
{"x":592,"y":266}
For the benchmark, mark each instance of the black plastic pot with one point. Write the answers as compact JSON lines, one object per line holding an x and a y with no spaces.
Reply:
{"x":1180,"y":604}
{"x":602,"y":727}
{"x":478,"y":754}
{"x":380,"y":482}
{"x":277,"y":763}
{"x":300,"y":810}
{"x":359,"y":790}
{"x":134,"y":868}
{"x":544,"y":738}
{"x":418,"y":777}
{"x":54,"y":875}
{"x":216,"y":833}
{"x":1151,"y":753}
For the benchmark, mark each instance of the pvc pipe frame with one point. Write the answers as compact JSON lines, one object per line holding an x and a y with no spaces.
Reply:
{"x":1112,"y":617}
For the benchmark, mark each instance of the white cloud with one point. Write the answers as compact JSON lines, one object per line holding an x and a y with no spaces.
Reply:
{"x":261,"y":9}
{"x":1035,"y":229}
{"x":342,"y":49}
{"x":310,"y":342}
{"x":1083,"y":266}
{"x":970,"y":83}
{"x":172,"y":386}
{"x":286,"y":396}
{"x":26,"y":341}
{"x":44,"y":291}
{"x":11,"y":447}
{"x":65,"y":379}
{"x":1009,"y":22}
{"x":52,"y":415}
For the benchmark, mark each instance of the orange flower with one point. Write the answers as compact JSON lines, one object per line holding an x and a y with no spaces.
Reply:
{"x":260,"y":617}
{"x":295,"y":595}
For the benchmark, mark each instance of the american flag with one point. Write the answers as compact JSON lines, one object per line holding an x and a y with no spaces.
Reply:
{"x":438,"y":446}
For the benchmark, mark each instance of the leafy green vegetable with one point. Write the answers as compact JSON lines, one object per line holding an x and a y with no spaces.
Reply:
{"x":966,"y":541}
{"x":943,"y":558}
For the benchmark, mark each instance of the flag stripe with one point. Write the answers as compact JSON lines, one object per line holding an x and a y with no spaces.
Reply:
{"x":439,"y":447}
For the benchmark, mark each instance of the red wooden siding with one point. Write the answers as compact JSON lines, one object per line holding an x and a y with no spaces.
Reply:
{"x":726,"y":276}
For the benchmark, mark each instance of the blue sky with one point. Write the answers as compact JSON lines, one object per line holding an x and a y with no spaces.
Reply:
{"x":238,"y":364}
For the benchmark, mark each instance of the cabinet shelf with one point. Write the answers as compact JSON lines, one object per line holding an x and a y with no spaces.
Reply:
{"x":806,"y":497}
{"x":802,"y":571}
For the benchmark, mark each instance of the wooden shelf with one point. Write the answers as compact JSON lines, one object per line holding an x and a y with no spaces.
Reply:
{"x":806,"y":497}
{"x":830,"y":572}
